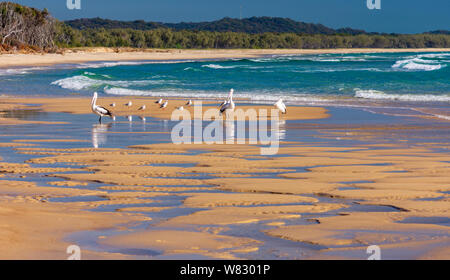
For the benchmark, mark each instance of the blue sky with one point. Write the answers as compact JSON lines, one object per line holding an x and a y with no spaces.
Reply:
{"x":400,"y":16}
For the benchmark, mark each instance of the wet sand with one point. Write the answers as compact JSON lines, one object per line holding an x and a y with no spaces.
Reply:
{"x":111,"y":54}
{"x":227,"y":201}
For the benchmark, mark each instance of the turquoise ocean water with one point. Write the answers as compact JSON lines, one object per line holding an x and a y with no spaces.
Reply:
{"x":301,"y":79}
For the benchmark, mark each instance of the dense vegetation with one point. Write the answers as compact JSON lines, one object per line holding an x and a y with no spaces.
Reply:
{"x":167,"y":38}
{"x":21,"y":26}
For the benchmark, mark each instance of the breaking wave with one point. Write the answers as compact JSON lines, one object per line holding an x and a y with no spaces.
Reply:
{"x":379,"y":95}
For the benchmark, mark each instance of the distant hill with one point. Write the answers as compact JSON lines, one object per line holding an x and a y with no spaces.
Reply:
{"x":253,"y":25}
{"x":445,"y":32}
{"x":87,"y":23}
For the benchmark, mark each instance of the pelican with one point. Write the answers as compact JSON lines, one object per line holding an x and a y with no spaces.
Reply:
{"x":164,"y":105}
{"x":99,"y":110}
{"x":129,"y":104}
{"x":160,"y":101}
{"x":142,"y":108}
{"x":223,"y":103}
{"x":189,"y":103}
{"x":281,"y":106}
{"x":229,"y":104}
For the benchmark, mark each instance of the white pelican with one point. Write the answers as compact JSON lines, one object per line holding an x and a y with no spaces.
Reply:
{"x":160,"y":101}
{"x":164,"y":105}
{"x":223,"y":103}
{"x":99,"y":110}
{"x":129,"y":104}
{"x":281,"y":106}
{"x":229,"y":104}
{"x":189,"y":103}
{"x":142,"y":108}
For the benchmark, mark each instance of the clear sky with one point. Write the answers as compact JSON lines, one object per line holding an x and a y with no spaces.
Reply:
{"x":400,"y":16}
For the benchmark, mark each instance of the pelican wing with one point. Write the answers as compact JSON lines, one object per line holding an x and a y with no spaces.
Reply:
{"x":103,"y":111}
{"x":225,"y":107}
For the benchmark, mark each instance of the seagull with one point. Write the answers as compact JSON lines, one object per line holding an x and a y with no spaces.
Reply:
{"x":164,"y":105}
{"x":142,"y":108}
{"x":99,"y":110}
{"x":181,"y":108}
{"x":112,"y":104}
{"x":229,"y":104}
{"x":129,"y":104}
{"x":130,"y":118}
{"x":281,"y":106}
{"x":143,"y":119}
{"x":160,"y":101}
{"x":189,"y":103}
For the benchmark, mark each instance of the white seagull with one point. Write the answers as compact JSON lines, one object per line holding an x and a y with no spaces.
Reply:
{"x":142,"y":108}
{"x":129,"y":104}
{"x":229,"y":104}
{"x":189,"y":103}
{"x":112,"y":104}
{"x":281,"y":106}
{"x":181,"y":108}
{"x":160,"y":101}
{"x":164,"y":105}
{"x":99,"y":110}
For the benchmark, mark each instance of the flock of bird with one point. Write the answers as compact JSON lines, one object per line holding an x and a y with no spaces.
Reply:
{"x":227,"y":105}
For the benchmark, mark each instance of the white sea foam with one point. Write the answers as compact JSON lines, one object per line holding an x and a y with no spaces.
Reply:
{"x":422,"y":62}
{"x":75,"y":83}
{"x":217,"y":66}
{"x":19,"y":71}
{"x":379,"y":95}
{"x":81,"y":82}
{"x":252,"y":96}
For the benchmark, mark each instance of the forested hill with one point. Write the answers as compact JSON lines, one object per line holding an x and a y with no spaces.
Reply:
{"x":253,"y":25}
{"x":25,"y":28}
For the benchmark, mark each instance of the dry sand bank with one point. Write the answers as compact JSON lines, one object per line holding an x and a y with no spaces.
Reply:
{"x":82,"y":106}
{"x":110,"y":54}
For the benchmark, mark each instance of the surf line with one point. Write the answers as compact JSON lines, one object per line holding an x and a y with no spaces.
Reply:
{"x":228,"y":128}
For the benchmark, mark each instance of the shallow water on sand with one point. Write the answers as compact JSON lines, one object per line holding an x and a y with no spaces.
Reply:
{"x":336,"y":131}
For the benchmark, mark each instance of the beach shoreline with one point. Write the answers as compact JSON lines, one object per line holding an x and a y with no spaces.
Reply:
{"x":85,"y":55}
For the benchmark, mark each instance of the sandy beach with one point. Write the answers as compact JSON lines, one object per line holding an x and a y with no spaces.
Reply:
{"x":329,"y":198}
{"x":71,"y":56}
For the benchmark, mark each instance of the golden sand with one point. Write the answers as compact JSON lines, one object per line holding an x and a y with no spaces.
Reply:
{"x":113,"y":54}
{"x":83,"y":106}
{"x":169,"y":242}
{"x":35,"y":230}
